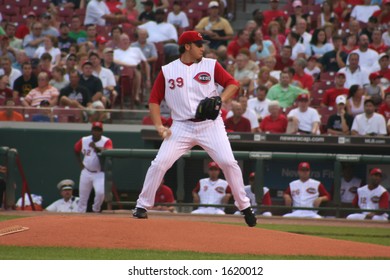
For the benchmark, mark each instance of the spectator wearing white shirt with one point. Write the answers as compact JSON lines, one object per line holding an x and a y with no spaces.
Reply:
{"x":106,"y":77}
{"x":354,"y":74}
{"x":248,"y":113}
{"x":98,"y":13}
{"x":7,"y":69}
{"x":68,"y":203}
{"x":298,"y":49}
{"x":369,"y":123}
{"x":148,"y":49}
{"x":386,"y":36}
{"x":178,"y":18}
{"x":129,"y":56}
{"x":49,"y":46}
{"x":363,"y":12}
{"x":163,"y":32}
{"x":367,"y":57}
{"x":260,"y":103}
{"x":303,"y":119}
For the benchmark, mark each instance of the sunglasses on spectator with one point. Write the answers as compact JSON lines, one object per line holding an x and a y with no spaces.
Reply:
{"x":198,"y":44}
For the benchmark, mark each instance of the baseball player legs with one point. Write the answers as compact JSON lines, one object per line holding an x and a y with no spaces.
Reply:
{"x":89,"y":180}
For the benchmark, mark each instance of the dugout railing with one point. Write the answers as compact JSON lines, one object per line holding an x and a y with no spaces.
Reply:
{"x":259,"y":157}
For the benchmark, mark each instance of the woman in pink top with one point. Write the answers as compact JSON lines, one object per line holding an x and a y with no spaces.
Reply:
{"x":131,"y":14}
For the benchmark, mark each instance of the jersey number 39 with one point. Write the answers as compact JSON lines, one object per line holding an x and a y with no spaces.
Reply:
{"x":178,"y":82}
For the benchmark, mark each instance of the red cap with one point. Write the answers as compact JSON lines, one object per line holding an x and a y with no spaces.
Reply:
{"x":97,"y":124}
{"x":376,"y":171}
{"x":188,"y":37}
{"x":101,"y":40}
{"x":374,"y":76}
{"x":340,"y":74}
{"x":31,"y":14}
{"x":304,"y":165}
{"x":213,"y":165}
{"x":252,"y":174}
{"x":303,"y":97}
{"x":385,"y":2}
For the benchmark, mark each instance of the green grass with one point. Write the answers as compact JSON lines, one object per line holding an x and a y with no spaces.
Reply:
{"x":60,"y":253}
{"x":380,"y":236}
{"x":5,"y":218}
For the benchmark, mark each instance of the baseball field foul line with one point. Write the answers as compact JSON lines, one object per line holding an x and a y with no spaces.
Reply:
{"x":13,"y":229}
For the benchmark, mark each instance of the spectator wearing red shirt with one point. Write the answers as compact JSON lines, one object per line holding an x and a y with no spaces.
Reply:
{"x":384,"y":70}
{"x":164,"y":194}
{"x":24,"y":29}
{"x":240,"y":42}
{"x":284,"y":59}
{"x":306,"y":80}
{"x":237,"y":123}
{"x":276,"y":121}
{"x":377,"y":42}
{"x":329,"y":99}
{"x":273,"y":14}
{"x":384,"y":109}
{"x":383,"y":14}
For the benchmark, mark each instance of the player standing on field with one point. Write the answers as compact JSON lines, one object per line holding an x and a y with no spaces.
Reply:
{"x":185,"y":84}
{"x":92,"y":175}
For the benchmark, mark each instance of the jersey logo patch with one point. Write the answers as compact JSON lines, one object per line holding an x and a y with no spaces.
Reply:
{"x":353,"y":190}
{"x":375,"y":199}
{"x":220,"y":190}
{"x":311,"y":190}
{"x":203,"y":78}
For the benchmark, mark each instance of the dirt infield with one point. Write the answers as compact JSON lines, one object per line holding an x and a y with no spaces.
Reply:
{"x":166,"y":233}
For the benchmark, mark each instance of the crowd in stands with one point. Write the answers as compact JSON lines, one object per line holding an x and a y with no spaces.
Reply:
{"x":292,"y":61}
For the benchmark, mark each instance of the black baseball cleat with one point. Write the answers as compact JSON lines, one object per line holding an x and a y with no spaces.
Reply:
{"x":140,"y":213}
{"x":250,"y":217}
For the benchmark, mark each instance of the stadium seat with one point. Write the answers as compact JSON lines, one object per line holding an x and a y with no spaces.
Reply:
{"x":65,"y":12}
{"x":194,"y":17}
{"x":21,"y":3}
{"x":327,"y":76}
{"x":38,"y":10}
{"x":325,"y":113}
{"x":126,"y":84}
{"x":19,"y":19}
{"x":9,"y":10}
{"x":41,"y":3}
{"x":316,"y":94}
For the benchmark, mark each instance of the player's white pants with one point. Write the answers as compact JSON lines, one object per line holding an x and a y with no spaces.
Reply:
{"x":89,"y":180}
{"x":362,"y":216}
{"x":303,"y":214}
{"x":212,"y":137}
{"x":208,"y":210}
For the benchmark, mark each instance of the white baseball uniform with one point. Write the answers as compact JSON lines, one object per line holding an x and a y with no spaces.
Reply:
{"x":211,"y":192}
{"x":64,"y":206}
{"x":348,"y":189}
{"x":265,"y":201}
{"x":92,"y":175}
{"x":374,"y":199}
{"x":304,"y":194}
{"x":183,"y":87}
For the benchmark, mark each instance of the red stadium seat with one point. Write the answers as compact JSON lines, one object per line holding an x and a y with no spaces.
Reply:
{"x":325,"y":113}
{"x":21,"y":3}
{"x":194,"y":17}
{"x":65,"y":12}
{"x":41,"y":3}
{"x":36,"y":9}
{"x":126,"y":84}
{"x":9,"y":10}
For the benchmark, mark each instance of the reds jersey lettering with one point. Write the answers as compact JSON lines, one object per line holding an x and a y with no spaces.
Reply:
{"x":212,"y":192}
{"x":304,"y":193}
{"x":183,"y":93}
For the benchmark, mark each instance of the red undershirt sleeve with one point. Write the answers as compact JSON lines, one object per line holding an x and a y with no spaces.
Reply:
{"x":158,"y":91}
{"x":267,"y":199}
{"x":197,"y":188}
{"x":108,"y":145}
{"x":78,"y":146}
{"x":384,"y":201}
{"x":322,"y":191}
{"x":288,"y":191}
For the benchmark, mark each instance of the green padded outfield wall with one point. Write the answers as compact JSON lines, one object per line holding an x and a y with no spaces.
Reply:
{"x":46,"y":153}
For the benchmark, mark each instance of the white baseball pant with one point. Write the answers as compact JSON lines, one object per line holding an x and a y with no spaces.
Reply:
{"x":89,"y":180}
{"x":362,"y":216}
{"x":303,"y":214}
{"x":212,"y":137}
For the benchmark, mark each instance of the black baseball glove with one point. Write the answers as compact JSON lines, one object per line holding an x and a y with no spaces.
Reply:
{"x":208,"y":108}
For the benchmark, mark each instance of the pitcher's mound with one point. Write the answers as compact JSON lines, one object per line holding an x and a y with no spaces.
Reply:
{"x":99,"y":231}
